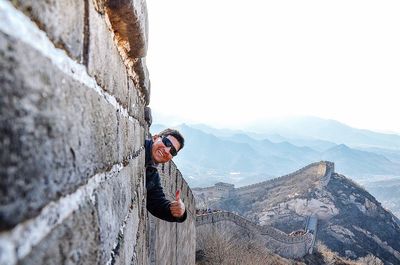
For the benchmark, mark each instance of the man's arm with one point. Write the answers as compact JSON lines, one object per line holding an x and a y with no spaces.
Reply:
{"x":157,"y":204}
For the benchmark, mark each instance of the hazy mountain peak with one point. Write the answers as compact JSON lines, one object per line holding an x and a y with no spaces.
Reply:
{"x":341,"y":147}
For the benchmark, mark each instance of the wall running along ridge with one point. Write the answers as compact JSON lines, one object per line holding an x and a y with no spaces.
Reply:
{"x":74,"y":117}
{"x":272,"y":238}
{"x":321,"y":170}
{"x":329,"y":169}
{"x":279,"y":242}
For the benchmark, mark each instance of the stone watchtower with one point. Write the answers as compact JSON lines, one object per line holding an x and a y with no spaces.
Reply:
{"x":224,"y":190}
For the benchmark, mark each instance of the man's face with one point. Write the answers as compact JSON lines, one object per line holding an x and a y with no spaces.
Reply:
{"x":160,"y":152}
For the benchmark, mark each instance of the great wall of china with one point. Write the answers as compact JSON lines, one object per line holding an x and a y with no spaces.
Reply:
{"x":273,"y":239}
{"x":174,"y":243}
{"x":322,"y":170}
{"x":281,"y":243}
{"x":329,"y":168}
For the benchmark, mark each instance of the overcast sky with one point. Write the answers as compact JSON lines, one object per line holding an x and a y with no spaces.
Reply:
{"x":227,"y":63}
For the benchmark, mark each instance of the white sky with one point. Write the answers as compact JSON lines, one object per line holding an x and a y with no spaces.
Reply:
{"x":227,"y":62}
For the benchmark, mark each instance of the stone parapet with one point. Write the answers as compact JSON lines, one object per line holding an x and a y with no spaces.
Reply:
{"x":87,"y":30}
{"x":74,"y":88}
{"x":274,"y":239}
{"x":129,"y":22}
{"x":57,"y":126}
{"x":64,"y":22}
{"x":174,"y":243}
{"x":327,"y":164}
{"x":330,"y":169}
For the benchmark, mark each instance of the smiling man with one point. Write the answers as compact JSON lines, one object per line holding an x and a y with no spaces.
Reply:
{"x":161,"y":149}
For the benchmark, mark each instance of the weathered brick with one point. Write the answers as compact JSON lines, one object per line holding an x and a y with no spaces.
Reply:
{"x":165,"y":238}
{"x":129,"y":21}
{"x":142,"y":81}
{"x":75,"y":241}
{"x":104,"y":61}
{"x":130,"y":247}
{"x":106,"y":222}
{"x":130,"y":136}
{"x":55,"y":132}
{"x":182,"y":234}
{"x":114,"y":200}
{"x":186,"y":232}
{"x":128,"y":242}
{"x":135,"y":103}
{"x":63,"y":21}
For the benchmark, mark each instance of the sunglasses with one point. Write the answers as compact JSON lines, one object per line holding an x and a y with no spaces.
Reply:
{"x":169,"y":144}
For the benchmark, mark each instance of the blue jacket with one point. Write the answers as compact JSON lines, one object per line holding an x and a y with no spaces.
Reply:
{"x":157,"y":203}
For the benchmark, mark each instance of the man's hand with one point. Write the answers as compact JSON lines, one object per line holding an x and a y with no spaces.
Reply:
{"x":177,"y":207}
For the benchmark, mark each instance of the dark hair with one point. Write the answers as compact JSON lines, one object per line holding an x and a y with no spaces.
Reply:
{"x":176,"y":134}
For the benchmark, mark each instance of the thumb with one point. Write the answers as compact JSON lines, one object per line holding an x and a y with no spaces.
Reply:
{"x":178,"y":195}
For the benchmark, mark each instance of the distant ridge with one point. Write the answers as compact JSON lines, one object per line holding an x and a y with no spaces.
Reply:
{"x":211,"y":155}
{"x":288,"y":246}
{"x":329,"y":169}
{"x":350,"y":221}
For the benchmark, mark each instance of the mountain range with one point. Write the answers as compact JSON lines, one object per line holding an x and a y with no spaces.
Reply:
{"x":244,"y":157}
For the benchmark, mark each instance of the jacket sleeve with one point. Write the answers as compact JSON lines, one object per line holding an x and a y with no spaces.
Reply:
{"x":157,"y":203}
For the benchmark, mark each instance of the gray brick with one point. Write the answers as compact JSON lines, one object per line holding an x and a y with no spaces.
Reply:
{"x":182,"y":234}
{"x":128,"y":242}
{"x":136,"y":103}
{"x":186,"y":244}
{"x":105,"y":63}
{"x":130,"y":137}
{"x":63,"y":21}
{"x":75,"y":241}
{"x":165,"y":239}
{"x":113,"y":200}
{"x":129,"y":20}
{"x":54,"y":133}
{"x":142,"y":82}
{"x":106,"y":222}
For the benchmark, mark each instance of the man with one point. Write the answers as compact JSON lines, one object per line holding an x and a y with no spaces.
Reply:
{"x":161,"y":149}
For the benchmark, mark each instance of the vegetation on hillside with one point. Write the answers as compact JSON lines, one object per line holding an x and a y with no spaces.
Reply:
{"x":323,"y":255}
{"x":226,"y":247}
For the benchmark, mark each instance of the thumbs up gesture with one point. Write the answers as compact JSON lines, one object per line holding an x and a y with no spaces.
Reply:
{"x":177,"y":207}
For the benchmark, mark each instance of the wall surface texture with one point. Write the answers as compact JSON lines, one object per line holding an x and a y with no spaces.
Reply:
{"x":181,"y":236}
{"x":73,"y":120}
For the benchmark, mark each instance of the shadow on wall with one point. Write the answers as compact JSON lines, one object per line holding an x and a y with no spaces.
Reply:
{"x":174,"y":243}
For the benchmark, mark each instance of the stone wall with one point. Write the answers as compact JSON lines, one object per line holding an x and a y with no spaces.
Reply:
{"x":219,"y":191}
{"x":74,"y":91}
{"x":327,"y":166}
{"x":215,"y":193}
{"x":181,"y":236}
{"x":290,"y":246}
{"x":279,"y":242}
{"x":330,"y":169}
